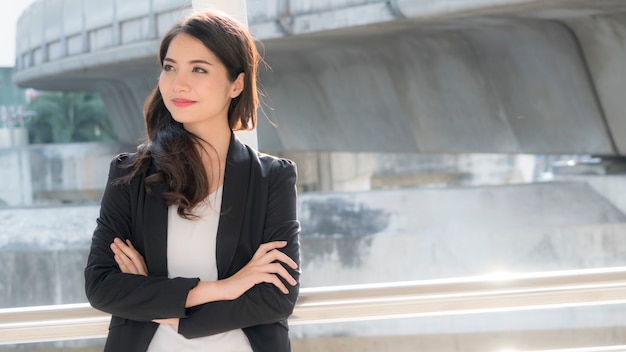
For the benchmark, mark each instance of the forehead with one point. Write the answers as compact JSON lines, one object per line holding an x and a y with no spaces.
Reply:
{"x":186,"y":47}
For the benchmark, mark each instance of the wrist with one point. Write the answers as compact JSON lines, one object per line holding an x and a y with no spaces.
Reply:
{"x":205,"y":292}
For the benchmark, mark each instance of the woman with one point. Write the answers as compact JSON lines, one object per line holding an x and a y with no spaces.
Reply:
{"x":196,"y":246}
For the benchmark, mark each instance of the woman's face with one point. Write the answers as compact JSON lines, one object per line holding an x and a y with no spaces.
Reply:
{"x":194,"y":84}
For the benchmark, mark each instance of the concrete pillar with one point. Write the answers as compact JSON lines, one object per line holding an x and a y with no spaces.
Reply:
{"x":238,"y":10}
{"x":15,"y":185}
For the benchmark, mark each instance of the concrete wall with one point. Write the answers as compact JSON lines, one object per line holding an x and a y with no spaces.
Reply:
{"x":55,"y":173}
{"x":343,"y":172}
{"x":417,"y":234}
{"x":70,"y":173}
{"x":15,"y":186}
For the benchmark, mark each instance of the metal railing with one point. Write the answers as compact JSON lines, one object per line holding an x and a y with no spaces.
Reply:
{"x":478,"y":294}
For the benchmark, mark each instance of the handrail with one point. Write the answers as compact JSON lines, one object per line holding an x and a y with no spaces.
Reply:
{"x":477,"y":294}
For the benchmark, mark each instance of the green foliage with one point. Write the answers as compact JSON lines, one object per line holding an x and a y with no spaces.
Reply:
{"x":66,"y":117}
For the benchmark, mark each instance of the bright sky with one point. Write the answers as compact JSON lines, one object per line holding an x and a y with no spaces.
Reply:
{"x":10,"y":13}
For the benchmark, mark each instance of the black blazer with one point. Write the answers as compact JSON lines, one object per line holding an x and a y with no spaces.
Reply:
{"x":258,"y":206}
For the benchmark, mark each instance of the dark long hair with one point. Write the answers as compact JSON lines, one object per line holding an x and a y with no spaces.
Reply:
{"x":170,"y":148}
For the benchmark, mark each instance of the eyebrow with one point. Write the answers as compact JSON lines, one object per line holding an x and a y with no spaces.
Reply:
{"x":198,"y":61}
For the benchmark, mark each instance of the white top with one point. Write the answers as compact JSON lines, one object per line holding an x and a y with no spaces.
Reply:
{"x":191,"y":253}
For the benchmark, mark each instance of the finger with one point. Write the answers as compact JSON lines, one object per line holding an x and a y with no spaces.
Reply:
{"x":117,"y":252}
{"x":118,"y":247}
{"x":121,"y":264}
{"x":276,"y":255}
{"x":274,"y":280}
{"x":280,"y":270}
{"x":124,"y":247}
{"x":128,"y":266}
{"x":131,"y":253}
{"x":143,"y":262}
{"x":280,"y":256}
{"x":266,"y":247}
{"x":115,"y":248}
{"x":122,"y":260}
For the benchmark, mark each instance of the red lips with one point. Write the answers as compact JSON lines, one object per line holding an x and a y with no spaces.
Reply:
{"x":182,"y":103}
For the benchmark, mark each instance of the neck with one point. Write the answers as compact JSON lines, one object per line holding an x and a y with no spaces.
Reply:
{"x":215,"y":138}
{"x":213,"y":149}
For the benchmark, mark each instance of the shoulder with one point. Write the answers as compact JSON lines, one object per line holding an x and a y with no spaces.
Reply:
{"x":244,"y":153}
{"x":276,"y":162}
{"x":271,"y":164}
{"x":126,"y":166}
{"x":260,"y":165}
{"x":278,"y":170}
{"x":120,"y":164}
{"x":123,"y":159}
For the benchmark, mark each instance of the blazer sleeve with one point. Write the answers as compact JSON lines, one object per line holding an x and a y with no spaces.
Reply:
{"x":135,"y":297}
{"x":264,"y":303}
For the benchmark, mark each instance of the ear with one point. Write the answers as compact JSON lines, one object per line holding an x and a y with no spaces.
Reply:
{"x":237,"y":86}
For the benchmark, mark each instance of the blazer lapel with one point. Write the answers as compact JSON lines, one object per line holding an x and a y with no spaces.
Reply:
{"x":155,"y":231}
{"x":234,"y":200}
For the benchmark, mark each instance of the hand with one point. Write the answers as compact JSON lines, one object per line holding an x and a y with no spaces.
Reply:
{"x":127,"y":258}
{"x":263,"y":267}
{"x":131,"y":262}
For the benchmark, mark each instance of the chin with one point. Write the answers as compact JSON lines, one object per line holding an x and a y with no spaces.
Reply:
{"x":181,"y":119}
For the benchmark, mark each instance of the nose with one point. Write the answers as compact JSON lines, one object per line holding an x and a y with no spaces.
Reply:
{"x":180,"y":83}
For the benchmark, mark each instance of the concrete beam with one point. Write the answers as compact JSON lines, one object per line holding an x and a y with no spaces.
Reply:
{"x":603,"y":44}
{"x":481,"y":86}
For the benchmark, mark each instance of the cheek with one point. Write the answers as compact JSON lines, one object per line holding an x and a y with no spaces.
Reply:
{"x":164,"y":90}
{"x":162,"y":85}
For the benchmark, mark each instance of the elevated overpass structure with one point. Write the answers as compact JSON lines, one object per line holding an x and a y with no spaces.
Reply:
{"x":425,"y":76}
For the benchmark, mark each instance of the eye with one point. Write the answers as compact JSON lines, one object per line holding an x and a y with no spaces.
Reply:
{"x":167,"y":67}
{"x":199,"y":70}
